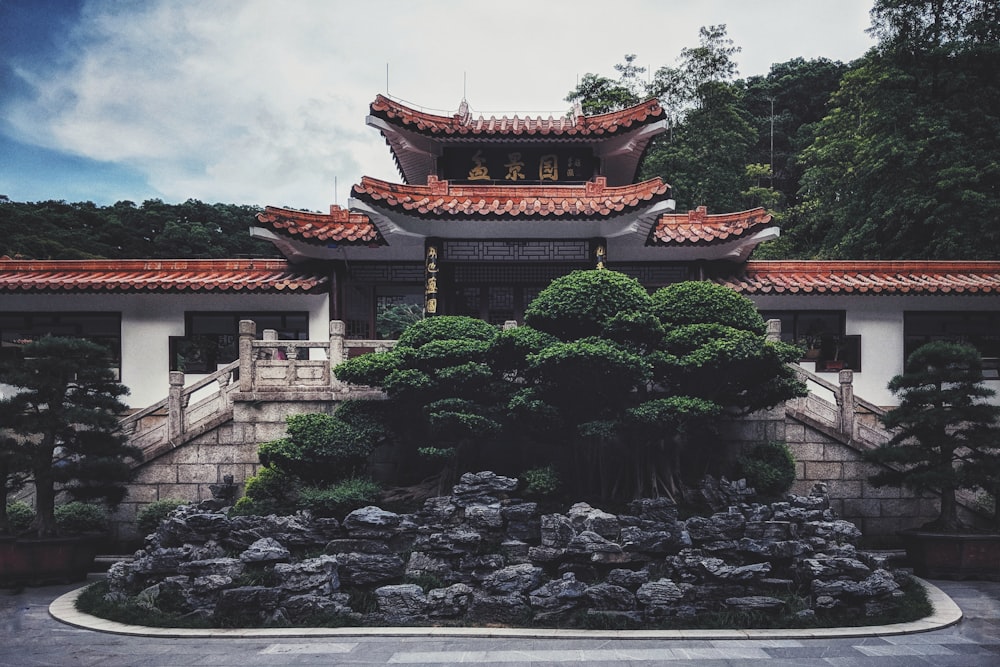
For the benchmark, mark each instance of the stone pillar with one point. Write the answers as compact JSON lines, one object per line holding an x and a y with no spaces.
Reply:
{"x":431,"y":251}
{"x":175,"y":407}
{"x":846,"y":400}
{"x":773,"y":331}
{"x":248,"y":332}
{"x":336,"y":352}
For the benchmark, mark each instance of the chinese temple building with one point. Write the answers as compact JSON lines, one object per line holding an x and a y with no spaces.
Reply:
{"x":487,"y":212}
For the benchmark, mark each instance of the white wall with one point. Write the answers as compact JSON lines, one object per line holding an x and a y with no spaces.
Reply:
{"x":879,"y":322}
{"x":148,"y":320}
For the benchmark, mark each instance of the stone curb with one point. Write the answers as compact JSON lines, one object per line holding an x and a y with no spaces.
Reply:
{"x":945,"y":613}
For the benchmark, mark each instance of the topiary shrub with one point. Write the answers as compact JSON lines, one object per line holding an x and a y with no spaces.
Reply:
{"x":150,"y":516}
{"x":319,"y":448}
{"x":541,"y":482}
{"x":769,"y":468}
{"x":697,"y":302}
{"x":79,"y":517}
{"x":339,"y":499}
{"x":270,"y":491}
{"x":19,"y":516}
{"x":583,"y":303}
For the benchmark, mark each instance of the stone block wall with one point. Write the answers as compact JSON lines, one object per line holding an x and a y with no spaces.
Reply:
{"x":187,"y":472}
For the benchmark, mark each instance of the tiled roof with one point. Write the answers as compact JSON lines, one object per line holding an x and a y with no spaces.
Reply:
{"x":698,"y":228}
{"x":865,"y":277}
{"x":462,"y":123}
{"x":159,"y":276}
{"x":440,"y":199}
{"x":337,"y":226}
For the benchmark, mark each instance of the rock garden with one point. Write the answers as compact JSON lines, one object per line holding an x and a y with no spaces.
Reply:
{"x":481,"y":556}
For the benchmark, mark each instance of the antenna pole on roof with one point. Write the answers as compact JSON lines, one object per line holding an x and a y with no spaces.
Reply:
{"x":387,"y":78}
{"x":335,"y":202}
{"x":464,"y":81}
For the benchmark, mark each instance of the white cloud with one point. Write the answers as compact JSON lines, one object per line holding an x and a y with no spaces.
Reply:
{"x":264,"y":102}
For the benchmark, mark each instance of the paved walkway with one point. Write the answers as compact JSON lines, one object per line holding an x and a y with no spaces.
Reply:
{"x":30,"y":636}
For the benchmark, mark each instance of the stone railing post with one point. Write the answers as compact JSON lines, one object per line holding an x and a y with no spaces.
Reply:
{"x":846,"y":400}
{"x":248,"y":332}
{"x":175,"y":407}
{"x":336,"y":353}
{"x":773,"y":331}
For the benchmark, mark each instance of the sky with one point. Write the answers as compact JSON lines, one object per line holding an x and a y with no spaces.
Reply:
{"x":264,"y":101}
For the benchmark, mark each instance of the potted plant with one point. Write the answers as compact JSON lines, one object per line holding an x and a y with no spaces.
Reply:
{"x":61,"y":429}
{"x":946,"y":439}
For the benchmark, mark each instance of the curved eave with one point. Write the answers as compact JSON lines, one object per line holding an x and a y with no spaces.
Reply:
{"x":340,"y":226}
{"x":913,"y":278}
{"x":149,"y":276}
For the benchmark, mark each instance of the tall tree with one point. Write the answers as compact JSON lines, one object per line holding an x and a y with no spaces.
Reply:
{"x":905,"y":166}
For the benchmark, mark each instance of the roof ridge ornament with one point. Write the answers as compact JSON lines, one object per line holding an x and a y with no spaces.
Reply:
{"x":577,"y":112}
{"x":464,"y":116}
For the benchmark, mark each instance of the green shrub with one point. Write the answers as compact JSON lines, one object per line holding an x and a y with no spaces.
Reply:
{"x":769,"y":468}
{"x":541,"y":481}
{"x":150,"y":516}
{"x":319,"y":448}
{"x":19,"y":516}
{"x":447,"y":327}
{"x":78,"y":517}
{"x":698,"y":302}
{"x":270,"y":491}
{"x":584,"y":303}
{"x":339,"y":499}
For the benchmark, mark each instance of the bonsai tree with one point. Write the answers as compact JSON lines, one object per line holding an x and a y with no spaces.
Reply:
{"x":63,"y":421}
{"x":947,"y":431}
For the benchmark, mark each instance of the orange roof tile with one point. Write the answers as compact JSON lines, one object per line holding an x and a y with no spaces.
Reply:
{"x":698,"y":227}
{"x":865,"y":277}
{"x":441,"y":199}
{"x":148,"y":275}
{"x":462,"y":123}
{"x":338,"y":226}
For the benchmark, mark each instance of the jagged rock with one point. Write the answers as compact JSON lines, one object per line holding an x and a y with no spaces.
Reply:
{"x":653,"y":542}
{"x":438,"y":511}
{"x":404,"y":603}
{"x":586,"y":518}
{"x":588,"y":542}
{"x":371,"y":522}
{"x":718,"y":569}
{"x":835,"y":531}
{"x":771,"y":530}
{"x":808,"y":569}
{"x":514,"y":551}
{"x":300,"y":608}
{"x":450,"y":602}
{"x":454,"y":542}
{"x":523,"y":522}
{"x":364,"y":569}
{"x":557,"y":599}
{"x":513,"y":579}
{"x":878,"y":583}
{"x":300,"y":530}
{"x":556,"y":530}
{"x":657,"y":510}
{"x":227,"y":567}
{"x":484,"y":517}
{"x":315,"y":576}
{"x":238,"y":602}
{"x":265,"y":550}
{"x":628,"y":579}
{"x":719,"y":526}
{"x":659,"y":594}
{"x":771,"y":549}
{"x":482,"y":488}
{"x":473,"y":569}
{"x":360,"y":546}
{"x":608,"y":597}
{"x":420,"y":564}
{"x":755,"y":603}
{"x":161,"y":561}
{"x":546,"y":554}
{"x":499,"y":609}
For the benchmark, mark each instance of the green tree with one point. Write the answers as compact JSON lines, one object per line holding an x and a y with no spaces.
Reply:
{"x":599,"y":94}
{"x":64,"y":417}
{"x":946,"y":430}
{"x":904,"y":166}
{"x":443,"y":398}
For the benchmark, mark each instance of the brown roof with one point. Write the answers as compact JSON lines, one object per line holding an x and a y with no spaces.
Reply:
{"x":441,"y":199}
{"x":160,"y":276}
{"x":337,"y":226}
{"x":865,"y":277}
{"x":462,"y":123}
{"x":698,"y":228}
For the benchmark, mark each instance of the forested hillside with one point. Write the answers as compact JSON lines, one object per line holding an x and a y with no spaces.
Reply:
{"x":58,"y":230}
{"x":893,"y":156}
